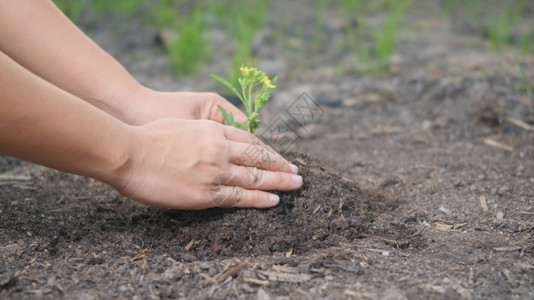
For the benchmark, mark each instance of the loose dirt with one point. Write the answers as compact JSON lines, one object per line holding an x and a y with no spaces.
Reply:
{"x":424,"y":185}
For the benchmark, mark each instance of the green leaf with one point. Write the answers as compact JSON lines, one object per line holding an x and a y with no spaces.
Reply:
{"x":229,"y":118}
{"x":229,"y":86}
{"x":254,"y":122}
{"x":523,"y":74}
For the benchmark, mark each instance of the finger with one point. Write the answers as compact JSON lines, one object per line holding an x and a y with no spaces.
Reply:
{"x":241,"y":136}
{"x":234,"y":196}
{"x":257,"y":179}
{"x":250,"y":155}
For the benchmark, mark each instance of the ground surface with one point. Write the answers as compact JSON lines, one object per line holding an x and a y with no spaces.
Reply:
{"x":424,"y":189}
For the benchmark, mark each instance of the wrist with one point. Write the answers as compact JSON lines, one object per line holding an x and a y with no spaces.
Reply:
{"x":122,"y":102}
{"x":114,"y":159}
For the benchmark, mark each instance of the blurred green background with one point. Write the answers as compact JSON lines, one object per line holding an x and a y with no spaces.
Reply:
{"x":185,"y":26}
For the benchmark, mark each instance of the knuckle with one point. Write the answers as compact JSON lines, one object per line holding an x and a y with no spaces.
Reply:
{"x":256,"y":176}
{"x":238,"y":195}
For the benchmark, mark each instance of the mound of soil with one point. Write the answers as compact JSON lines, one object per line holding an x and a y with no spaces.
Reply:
{"x":326,"y":211}
{"x":59,"y":209}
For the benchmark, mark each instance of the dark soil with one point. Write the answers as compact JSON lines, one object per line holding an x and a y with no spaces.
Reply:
{"x":325,"y":212}
{"x":424,"y":187}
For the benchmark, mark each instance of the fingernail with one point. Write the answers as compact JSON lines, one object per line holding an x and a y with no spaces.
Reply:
{"x":274,"y":199}
{"x":294,"y":169}
{"x":297,"y":180}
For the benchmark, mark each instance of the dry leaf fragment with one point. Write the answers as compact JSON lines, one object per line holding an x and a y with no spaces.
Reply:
{"x":288,"y":253}
{"x":441,"y":226}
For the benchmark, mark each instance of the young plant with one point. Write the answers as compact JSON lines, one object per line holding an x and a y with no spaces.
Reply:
{"x":527,"y":83}
{"x":251,"y":95}
{"x":192,"y":48}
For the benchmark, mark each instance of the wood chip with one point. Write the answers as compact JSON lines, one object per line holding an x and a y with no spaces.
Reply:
{"x":285,"y":269}
{"x":483,"y":203}
{"x":441,"y":226}
{"x":256,"y":281}
{"x":351,"y":293}
{"x":11,"y":177}
{"x":335,"y":266}
{"x":340,"y":206}
{"x":223,"y":276}
{"x":288,"y":253}
{"x":445,"y":210}
{"x":188,"y":246}
{"x":379,"y":130}
{"x":499,"y":145}
{"x":520,"y":124}
{"x":459,"y":225}
{"x":507,"y":249}
{"x":262,"y":295}
{"x":285,"y":277}
{"x":500,"y":215}
{"x":302,"y":162}
{"x":8,"y":249}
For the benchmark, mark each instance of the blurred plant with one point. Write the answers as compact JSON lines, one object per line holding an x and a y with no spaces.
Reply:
{"x":386,"y":36}
{"x":355,"y":30}
{"x":191,"y":48}
{"x":526,"y":81}
{"x":164,"y":13}
{"x":242,"y":51}
{"x":71,"y":8}
{"x":358,"y":38}
{"x":252,"y":97}
{"x":318,"y":26}
{"x":499,"y":32}
{"x":121,"y":7}
{"x":500,"y":21}
{"x":246,"y":19}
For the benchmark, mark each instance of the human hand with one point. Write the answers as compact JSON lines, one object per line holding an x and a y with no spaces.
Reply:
{"x":185,"y":164}
{"x":150,"y":105}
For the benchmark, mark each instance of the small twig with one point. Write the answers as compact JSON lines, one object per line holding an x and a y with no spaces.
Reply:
{"x":507,"y":249}
{"x":417,"y":233}
{"x":494,"y":143}
{"x":256,"y":281}
{"x":219,"y":279}
{"x":520,"y":124}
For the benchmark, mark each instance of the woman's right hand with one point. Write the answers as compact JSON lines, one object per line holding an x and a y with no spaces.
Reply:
{"x":197,"y":164}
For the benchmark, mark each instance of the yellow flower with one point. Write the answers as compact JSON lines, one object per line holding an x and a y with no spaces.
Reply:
{"x":267,"y":84}
{"x":246,"y":70}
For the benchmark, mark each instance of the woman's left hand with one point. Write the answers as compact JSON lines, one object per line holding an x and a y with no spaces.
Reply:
{"x":151,"y":106}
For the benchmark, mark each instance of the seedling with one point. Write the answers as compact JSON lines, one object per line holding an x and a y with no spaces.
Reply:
{"x":527,"y":83}
{"x":191,"y":48}
{"x":252,"y":96}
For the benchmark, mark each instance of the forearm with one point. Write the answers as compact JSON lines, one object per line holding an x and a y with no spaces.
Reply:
{"x":44,"y":124}
{"x":40,"y":38}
